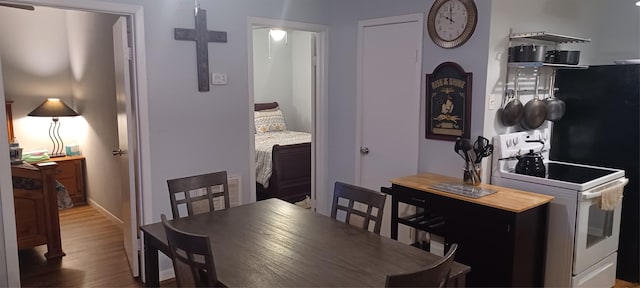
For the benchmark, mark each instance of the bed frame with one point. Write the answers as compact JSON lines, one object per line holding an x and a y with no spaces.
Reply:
{"x":36,"y":207}
{"x":291,"y":171}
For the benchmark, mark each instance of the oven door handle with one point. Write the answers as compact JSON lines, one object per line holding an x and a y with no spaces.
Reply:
{"x":596,"y":194}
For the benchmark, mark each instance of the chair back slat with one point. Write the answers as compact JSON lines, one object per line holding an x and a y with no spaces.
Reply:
{"x":435,"y":275}
{"x":192,"y":257}
{"x":362,"y":197}
{"x":198,"y":193}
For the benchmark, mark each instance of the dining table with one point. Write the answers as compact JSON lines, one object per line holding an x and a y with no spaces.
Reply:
{"x":273,"y":243}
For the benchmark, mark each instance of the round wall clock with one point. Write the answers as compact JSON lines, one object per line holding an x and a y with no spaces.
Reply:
{"x":451,"y":22}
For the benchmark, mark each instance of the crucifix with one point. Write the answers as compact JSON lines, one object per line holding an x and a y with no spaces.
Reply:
{"x":202,"y":37}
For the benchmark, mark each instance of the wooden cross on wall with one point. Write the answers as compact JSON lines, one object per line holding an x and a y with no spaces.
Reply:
{"x":202,"y":37}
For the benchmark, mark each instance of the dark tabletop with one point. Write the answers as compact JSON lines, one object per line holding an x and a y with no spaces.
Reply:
{"x":274,"y":243}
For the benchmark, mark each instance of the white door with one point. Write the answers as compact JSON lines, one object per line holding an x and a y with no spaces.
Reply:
{"x":126,"y":141}
{"x":389,"y":72}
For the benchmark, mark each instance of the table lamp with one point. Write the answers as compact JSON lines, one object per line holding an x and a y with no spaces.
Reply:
{"x":54,"y":107}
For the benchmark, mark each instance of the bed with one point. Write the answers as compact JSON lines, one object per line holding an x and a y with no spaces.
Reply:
{"x":283,"y":157}
{"x":36,"y":207}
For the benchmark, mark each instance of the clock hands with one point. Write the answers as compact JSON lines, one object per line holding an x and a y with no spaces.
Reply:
{"x":451,"y":14}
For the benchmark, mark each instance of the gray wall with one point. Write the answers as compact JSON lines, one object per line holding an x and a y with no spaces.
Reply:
{"x":193,"y":132}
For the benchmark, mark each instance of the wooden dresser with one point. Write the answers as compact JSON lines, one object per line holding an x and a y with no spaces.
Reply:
{"x":70,"y":173}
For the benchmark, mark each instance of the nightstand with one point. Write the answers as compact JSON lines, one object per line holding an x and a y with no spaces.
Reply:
{"x":70,"y":173}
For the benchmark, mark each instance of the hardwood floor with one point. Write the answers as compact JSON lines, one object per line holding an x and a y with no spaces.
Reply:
{"x":95,"y":256}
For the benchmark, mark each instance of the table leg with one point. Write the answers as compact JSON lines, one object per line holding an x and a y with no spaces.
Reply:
{"x":394,"y":217}
{"x":151,"y":269}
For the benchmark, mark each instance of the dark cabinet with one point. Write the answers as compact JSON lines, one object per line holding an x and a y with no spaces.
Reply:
{"x":504,"y":248}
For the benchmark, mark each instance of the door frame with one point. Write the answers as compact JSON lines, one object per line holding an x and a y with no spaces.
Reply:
{"x":140,"y":114}
{"x":319,"y":107}
{"x":417,"y":17}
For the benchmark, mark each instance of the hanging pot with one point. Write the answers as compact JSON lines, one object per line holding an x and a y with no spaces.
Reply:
{"x":535,"y":111}
{"x":527,"y":53}
{"x":555,"y":106}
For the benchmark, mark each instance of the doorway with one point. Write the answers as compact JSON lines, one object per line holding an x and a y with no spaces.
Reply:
{"x":135,"y":114}
{"x":301,"y":95}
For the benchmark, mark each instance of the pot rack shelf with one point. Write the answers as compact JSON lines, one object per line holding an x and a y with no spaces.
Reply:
{"x":550,"y":37}
{"x":523,"y":65}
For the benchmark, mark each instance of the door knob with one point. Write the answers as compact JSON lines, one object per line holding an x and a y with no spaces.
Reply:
{"x":364,"y":150}
{"x":118,"y":152}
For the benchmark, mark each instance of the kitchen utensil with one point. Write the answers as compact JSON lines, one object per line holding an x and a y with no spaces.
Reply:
{"x":458,"y":148}
{"x":555,"y":106}
{"x":513,"y":110}
{"x":482,"y":148}
{"x":535,"y":111}
{"x":531,"y":164}
{"x":570,"y":57}
{"x":527,"y":53}
{"x":467,"y":147}
{"x":486,"y":152}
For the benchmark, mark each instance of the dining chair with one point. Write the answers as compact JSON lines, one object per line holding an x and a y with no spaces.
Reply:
{"x":360,"y":206}
{"x":192,"y":257}
{"x":198,"y":193}
{"x":434,"y":275}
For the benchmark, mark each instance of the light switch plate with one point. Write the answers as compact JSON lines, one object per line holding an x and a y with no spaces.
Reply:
{"x":219,"y":78}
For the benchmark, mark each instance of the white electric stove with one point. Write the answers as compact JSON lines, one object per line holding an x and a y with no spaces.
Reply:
{"x":582,"y":239}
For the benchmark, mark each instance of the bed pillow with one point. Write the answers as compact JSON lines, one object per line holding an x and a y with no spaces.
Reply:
{"x":267,"y":121}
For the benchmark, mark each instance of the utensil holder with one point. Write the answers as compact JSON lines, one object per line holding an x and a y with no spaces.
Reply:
{"x":472,"y":174}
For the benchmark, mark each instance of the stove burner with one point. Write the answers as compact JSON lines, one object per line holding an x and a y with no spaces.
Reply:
{"x":574,"y":174}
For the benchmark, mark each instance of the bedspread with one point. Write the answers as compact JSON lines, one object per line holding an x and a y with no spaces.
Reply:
{"x":264,"y":149}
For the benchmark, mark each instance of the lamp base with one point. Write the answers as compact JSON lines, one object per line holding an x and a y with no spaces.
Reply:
{"x":56,"y":155}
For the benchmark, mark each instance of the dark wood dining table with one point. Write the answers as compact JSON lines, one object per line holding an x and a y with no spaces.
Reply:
{"x":273,"y":243}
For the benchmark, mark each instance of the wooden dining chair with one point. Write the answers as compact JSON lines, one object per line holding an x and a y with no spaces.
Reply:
{"x":192,"y":257}
{"x":198,"y":193}
{"x":434,"y":275}
{"x":360,"y":206}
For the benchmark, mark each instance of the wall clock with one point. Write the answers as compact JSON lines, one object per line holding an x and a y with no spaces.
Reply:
{"x":451,"y":22}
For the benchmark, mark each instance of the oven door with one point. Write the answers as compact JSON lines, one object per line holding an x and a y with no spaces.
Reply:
{"x":597,"y":230}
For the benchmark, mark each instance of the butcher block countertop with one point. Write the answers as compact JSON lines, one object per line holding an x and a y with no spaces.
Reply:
{"x":505,"y":198}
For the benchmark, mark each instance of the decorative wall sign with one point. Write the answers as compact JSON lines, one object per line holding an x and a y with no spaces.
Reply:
{"x":448,"y":98}
{"x":202,"y":37}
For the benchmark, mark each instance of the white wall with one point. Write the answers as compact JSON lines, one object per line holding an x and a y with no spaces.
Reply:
{"x":93,"y":86}
{"x":284,"y":75}
{"x":613,"y":27}
{"x":302,"y":90}
{"x":36,"y":66}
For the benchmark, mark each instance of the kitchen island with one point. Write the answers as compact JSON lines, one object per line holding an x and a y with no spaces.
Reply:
{"x":501,"y":235}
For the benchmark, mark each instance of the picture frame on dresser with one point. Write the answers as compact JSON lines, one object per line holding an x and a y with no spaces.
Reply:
{"x":448,"y":102}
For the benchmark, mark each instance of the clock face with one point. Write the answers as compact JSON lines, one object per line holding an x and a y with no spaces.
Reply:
{"x":452,"y":22}
{"x":451,"y":19}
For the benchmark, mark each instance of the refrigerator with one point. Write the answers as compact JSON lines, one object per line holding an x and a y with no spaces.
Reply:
{"x":601,"y":127}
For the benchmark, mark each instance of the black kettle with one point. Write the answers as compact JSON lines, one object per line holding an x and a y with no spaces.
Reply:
{"x":531,"y":164}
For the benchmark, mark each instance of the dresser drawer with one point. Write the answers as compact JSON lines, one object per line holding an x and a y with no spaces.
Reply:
{"x":70,"y":173}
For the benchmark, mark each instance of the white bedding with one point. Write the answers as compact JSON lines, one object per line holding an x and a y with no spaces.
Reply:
{"x":264,"y":149}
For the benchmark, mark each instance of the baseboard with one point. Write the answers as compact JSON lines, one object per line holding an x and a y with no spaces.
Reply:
{"x":105,"y":212}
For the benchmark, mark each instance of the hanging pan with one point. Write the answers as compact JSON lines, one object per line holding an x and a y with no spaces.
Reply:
{"x":535,"y":111}
{"x":513,"y":110}
{"x":555,"y":106}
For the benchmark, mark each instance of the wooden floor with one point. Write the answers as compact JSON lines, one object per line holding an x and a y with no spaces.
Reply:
{"x":95,"y":256}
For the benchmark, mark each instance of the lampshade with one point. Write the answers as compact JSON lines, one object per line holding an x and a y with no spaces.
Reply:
{"x":53,"y":107}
